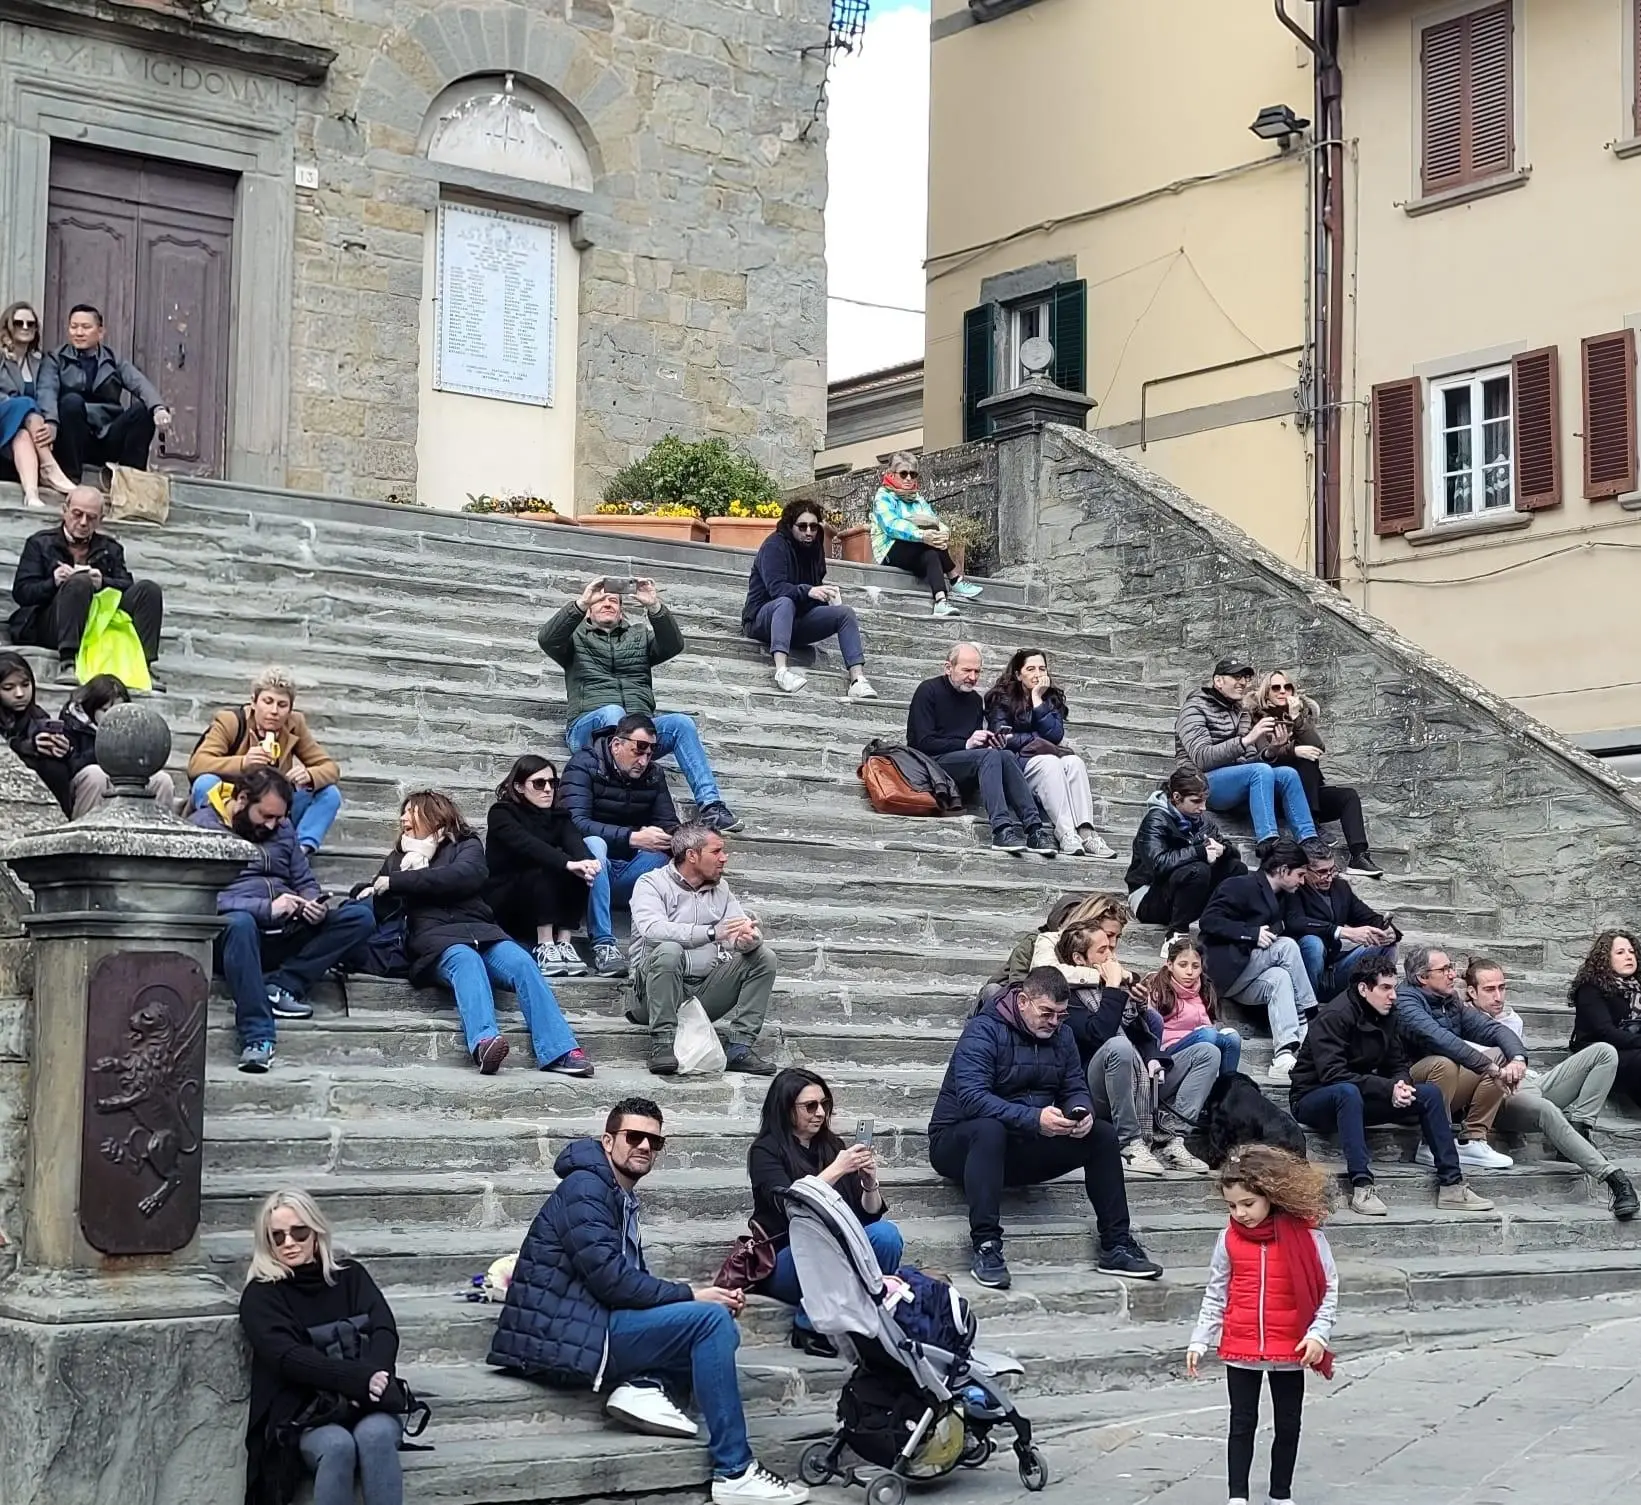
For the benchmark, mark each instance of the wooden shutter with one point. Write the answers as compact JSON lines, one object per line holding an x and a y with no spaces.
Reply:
{"x":1068,"y":333}
{"x":1609,"y":415}
{"x":978,"y":351}
{"x":1535,"y":395}
{"x":1398,"y":456}
{"x":1468,"y":87}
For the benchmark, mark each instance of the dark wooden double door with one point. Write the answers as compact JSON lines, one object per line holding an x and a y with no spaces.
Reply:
{"x":151,"y":244}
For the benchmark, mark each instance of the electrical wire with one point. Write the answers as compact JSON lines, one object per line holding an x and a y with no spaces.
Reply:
{"x":1156,"y":292}
{"x":1584,"y":545}
{"x":889,"y":308}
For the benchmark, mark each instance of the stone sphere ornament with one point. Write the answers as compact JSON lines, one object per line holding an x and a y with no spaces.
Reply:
{"x":133,"y":743}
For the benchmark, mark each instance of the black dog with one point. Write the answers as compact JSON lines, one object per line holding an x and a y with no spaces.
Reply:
{"x":1237,"y":1112}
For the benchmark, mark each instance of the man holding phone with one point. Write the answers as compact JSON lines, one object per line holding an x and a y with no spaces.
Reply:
{"x":608,"y":665}
{"x":281,"y":936}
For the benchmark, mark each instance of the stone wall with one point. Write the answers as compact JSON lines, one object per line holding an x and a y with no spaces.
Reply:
{"x":1469,"y":783}
{"x":702,"y":293}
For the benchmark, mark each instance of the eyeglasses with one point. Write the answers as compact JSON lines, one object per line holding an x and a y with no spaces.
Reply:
{"x":645,"y":749}
{"x":637,"y":1138}
{"x":23,"y":323}
{"x":1433,"y":970}
{"x":297,"y":1233}
{"x":819,"y":1105}
{"x":541,"y":781}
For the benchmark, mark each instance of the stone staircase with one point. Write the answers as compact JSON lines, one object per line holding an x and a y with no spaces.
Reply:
{"x":413,"y":636}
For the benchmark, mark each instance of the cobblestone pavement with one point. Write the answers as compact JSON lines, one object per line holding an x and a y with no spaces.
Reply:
{"x":1539,"y":1411}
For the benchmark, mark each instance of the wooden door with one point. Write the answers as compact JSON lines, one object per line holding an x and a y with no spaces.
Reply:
{"x":151,"y":244}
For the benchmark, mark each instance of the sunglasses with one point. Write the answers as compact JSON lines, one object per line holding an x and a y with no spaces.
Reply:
{"x":541,"y":781}
{"x":806,"y":527}
{"x":297,"y":1233}
{"x":637,"y":1138}
{"x":23,"y":323}
{"x":643,"y":749}
{"x":1277,"y":684}
{"x":906,"y":475}
{"x":816,"y":1107}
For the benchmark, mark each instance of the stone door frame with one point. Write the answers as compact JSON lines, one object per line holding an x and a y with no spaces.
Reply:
{"x":59,"y":87}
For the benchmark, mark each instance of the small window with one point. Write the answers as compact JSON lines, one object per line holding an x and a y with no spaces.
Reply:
{"x":1471,"y":445}
{"x":1027,"y":321}
{"x":1467,"y":104}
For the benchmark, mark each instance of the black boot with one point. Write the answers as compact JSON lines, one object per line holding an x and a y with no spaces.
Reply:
{"x":1625,"y":1202}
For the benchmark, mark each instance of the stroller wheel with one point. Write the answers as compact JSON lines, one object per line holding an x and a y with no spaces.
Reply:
{"x":815,"y":1466}
{"x":1034,"y":1474}
{"x":977,"y":1450}
{"x":886,"y":1489}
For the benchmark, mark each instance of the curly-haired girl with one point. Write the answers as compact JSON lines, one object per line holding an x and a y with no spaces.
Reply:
{"x":1272,"y":1296}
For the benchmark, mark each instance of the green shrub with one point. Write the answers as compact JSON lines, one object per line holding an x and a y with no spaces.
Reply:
{"x":707,"y":475}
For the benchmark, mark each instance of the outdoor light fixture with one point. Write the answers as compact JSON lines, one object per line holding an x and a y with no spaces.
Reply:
{"x":1279,"y":124}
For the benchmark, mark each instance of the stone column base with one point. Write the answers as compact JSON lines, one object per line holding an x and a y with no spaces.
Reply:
{"x":122,"y":1389}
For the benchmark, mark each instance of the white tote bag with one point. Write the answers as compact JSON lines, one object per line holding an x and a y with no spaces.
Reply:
{"x":696,"y":1044}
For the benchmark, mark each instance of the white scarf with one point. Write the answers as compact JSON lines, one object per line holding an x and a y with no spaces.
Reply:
{"x":418,"y":852}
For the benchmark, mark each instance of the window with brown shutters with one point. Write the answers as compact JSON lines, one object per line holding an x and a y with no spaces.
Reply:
{"x":1535,"y":385}
{"x":1467,"y":72}
{"x":1609,"y":415}
{"x":1398,"y":457}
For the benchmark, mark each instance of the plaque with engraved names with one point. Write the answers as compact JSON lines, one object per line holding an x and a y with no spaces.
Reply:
{"x":494,"y":316}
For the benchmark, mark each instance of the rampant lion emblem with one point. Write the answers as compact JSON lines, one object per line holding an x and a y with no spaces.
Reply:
{"x":157,"y":1088}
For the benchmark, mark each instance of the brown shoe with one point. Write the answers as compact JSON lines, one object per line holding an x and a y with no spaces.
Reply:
{"x":490,"y":1054}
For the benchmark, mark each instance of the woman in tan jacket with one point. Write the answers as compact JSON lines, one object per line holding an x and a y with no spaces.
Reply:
{"x":269,"y":730}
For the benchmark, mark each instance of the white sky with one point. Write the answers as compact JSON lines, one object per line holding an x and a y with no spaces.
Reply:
{"x":876,"y":212}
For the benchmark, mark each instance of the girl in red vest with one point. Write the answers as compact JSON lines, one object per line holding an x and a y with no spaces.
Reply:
{"x":1272,"y":1297}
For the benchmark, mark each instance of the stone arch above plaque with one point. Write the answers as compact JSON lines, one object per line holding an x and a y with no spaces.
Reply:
{"x":502,"y":124}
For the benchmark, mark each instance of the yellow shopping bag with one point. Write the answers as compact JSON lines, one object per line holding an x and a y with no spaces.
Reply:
{"x":110,"y":645}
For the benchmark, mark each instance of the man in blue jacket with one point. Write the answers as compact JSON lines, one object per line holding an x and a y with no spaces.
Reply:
{"x":584,"y":1309}
{"x":1014,"y":1110}
{"x":1475,"y":1061}
{"x":280,"y":938}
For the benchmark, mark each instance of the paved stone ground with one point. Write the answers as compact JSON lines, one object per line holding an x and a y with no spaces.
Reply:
{"x":1538,"y":1413}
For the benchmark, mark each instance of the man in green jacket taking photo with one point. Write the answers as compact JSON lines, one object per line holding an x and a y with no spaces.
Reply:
{"x":607,"y":663}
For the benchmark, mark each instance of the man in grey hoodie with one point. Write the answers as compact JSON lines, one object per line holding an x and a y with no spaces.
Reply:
{"x":692,"y":939}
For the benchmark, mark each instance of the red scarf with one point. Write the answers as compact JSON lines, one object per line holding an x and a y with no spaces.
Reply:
{"x":898,"y":486}
{"x":1297,"y":1250}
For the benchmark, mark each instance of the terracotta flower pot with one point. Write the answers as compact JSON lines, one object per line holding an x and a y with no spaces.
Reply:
{"x":741,"y":532}
{"x":851,"y":544}
{"x":676,"y":529}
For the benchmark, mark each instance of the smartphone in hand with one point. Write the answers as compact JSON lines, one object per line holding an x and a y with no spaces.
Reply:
{"x":864,"y":1128}
{"x":619,"y":587}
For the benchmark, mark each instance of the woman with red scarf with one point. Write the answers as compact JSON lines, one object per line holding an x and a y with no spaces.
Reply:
{"x":907,"y":534}
{"x":1271,"y":1301}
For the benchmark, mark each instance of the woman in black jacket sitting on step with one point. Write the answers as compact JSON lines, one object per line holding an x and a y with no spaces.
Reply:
{"x":540,"y":868}
{"x":324,"y":1396}
{"x":1606,"y":998}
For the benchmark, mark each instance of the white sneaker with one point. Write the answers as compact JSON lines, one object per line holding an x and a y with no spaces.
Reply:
{"x":861,"y":689}
{"x":1479,"y":1152}
{"x":547,"y":959}
{"x":1176,"y":1157}
{"x":1138,"y":1160}
{"x":1281,"y":1072}
{"x":1424,"y":1155}
{"x":1070,"y":844}
{"x":646,"y":1408}
{"x":573,"y":964}
{"x":758,"y":1485}
{"x":789,"y":681}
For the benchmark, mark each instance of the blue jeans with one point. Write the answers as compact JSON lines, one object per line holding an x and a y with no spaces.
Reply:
{"x":678,"y":736}
{"x":1329,"y":982}
{"x":692,"y":1344}
{"x":1341,"y":1109}
{"x":1256,"y":785}
{"x":468,"y":972}
{"x":617,"y":877}
{"x":782,"y":626}
{"x":312,"y":810}
{"x":783,"y":1285}
{"x":369,"y":1448}
{"x":299,"y":955}
{"x":1228,"y":1041}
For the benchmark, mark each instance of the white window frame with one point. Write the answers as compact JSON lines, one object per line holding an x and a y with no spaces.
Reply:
{"x":1436,"y":439}
{"x":1017,"y":372}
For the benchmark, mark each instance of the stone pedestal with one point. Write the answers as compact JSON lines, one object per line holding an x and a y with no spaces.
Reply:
{"x":121,"y":1372}
{"x":1018,"y":418}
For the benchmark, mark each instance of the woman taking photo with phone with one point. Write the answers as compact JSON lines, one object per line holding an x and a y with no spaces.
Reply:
{"x":796,"y":1139}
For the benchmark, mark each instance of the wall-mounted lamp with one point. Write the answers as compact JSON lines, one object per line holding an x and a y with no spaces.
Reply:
{"x":1278,"y":123}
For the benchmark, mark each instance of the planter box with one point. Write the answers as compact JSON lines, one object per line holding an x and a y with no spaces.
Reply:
{"x":674,"y":529}
{"x":741,"y":532}
{"x":851,"y":544}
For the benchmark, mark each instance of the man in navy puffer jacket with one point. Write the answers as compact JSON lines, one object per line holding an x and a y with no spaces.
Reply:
{"x":583,"y":1308}
{"x":1014,"y":1110}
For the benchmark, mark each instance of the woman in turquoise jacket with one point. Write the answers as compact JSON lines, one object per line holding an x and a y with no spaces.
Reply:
{"x":907,"y":534}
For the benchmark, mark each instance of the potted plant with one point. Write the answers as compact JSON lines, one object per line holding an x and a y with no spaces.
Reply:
{"x":680,"y":480}
{"x":677,"y":521}
{"x":745,"y":525}
{"x":535,"y":509}
{"x":847,"y":541}
{"x":970,"y":536}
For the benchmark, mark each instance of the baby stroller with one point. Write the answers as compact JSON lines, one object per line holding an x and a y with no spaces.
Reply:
{"x":913,"y":1410}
